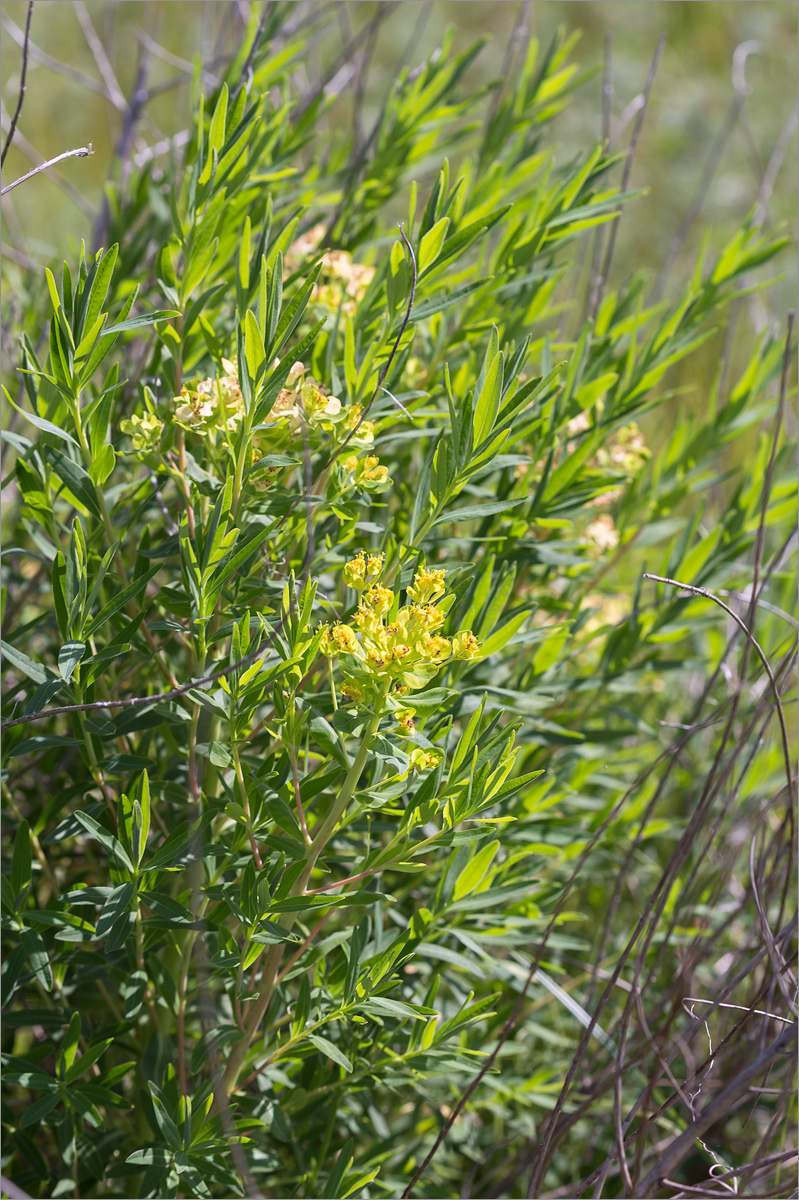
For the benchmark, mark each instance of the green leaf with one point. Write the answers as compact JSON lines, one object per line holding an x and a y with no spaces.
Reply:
{"x":102,"y":465}
{"x":253,"y":345}
{"x":96,"y":290}
{"x":475,"y":871}
{"x":106,"y":839}
{"x":119,"y":601}
{"x":141,"y":322}
{"x":474,"y":511}
{"x":430,"y":246}
{"x":21,"y":861}
{"x":500,"y":637}
{"x":87,"y":1060}
{"x":78,"y":481}
{"x":36,"y":1113}
{"x":116,"y":904}
{"x":331,"y":1050}
{"x":486,"y":405}
{"x":36,"y":955}
{"x":25,"y":664}
{"x":336,"y":1176}
{"x":41,"y":423}
{"x":69,"y":656}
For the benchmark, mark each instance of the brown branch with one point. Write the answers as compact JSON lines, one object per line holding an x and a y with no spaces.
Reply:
{"x":115,"y":94}
{"x":628,"y":166}
{"x":699,"y":591}
{"x":137,"y":701}
{"x":23,"y":75}
{"x":717,"y":1108}
{"x":81,"y":152}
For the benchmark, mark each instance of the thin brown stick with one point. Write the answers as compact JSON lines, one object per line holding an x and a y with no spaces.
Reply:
{"x":628,"y":166}
{"x":115,"y":94}
{"x":81,"y":152}
{"x":137,"y":701}
{"x":719,"y":1107}
{"x":699,"y":591}
{"x":22,"y":78}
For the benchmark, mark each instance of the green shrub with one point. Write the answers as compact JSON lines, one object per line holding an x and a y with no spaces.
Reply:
{"x":336,"y":704}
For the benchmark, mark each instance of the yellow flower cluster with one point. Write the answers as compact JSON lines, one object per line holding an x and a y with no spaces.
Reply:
{"x":628,"y":452}
{"x":305,"y":402}
{"x":381,"y":652}
{"x":339,"y":272}
{"x":365,"y":473}
{"x":144,"y":431}
{"x":602,"y":534}
{"x":211,"y":403}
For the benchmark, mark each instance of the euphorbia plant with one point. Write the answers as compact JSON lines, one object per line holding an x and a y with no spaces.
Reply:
{"x":320,"y":596}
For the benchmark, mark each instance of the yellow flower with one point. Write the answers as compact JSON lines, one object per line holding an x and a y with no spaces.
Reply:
{"x":193,"y":410}
{"x":465,"y":645}
{"x":436,"y":647}
{"x":379,"y":598}
{"x":144,"y":431}
{"x":427,"y":585}
{"x":344,"y":639}
{"x":405,"y":720}
{"x":362,"y":569}
{"x":424,"y":760}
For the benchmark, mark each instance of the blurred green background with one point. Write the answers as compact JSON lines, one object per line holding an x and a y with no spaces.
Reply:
{"x":690,"y":123}
{"x":689,"y":104}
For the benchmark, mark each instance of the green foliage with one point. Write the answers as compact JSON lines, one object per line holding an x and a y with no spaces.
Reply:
{"x":340,"y":596}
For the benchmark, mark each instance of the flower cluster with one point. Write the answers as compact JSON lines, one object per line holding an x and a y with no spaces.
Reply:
{"x":393,"y":650}
{"x":306,"y":406}
{"x":364,"y":473}
{"x":626,"y":454}
{"x":339,"y":273}
{"x":602,"y":534}
{"x":211,"y":404}
{"x":144,"y":431}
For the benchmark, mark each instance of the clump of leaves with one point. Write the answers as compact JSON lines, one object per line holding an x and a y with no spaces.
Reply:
{"x":331,"y":678}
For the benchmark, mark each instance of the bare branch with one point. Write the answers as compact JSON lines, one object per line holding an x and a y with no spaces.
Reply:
{"x":10,"y":1189}
{"x":81,"y":152}
{"x":23,"y":75}
{"x":138,"y":701}
{"x":682,"y":1145}
{"x":628,"y":166}
{"x":174,"y":60}
{"x":700,"y":591}
{"x":46,"y":60}
{"x":99,"y":55}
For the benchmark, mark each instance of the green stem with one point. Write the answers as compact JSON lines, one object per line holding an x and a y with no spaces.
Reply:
{"x":273,"y":958}
{"x":241,"y":462}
